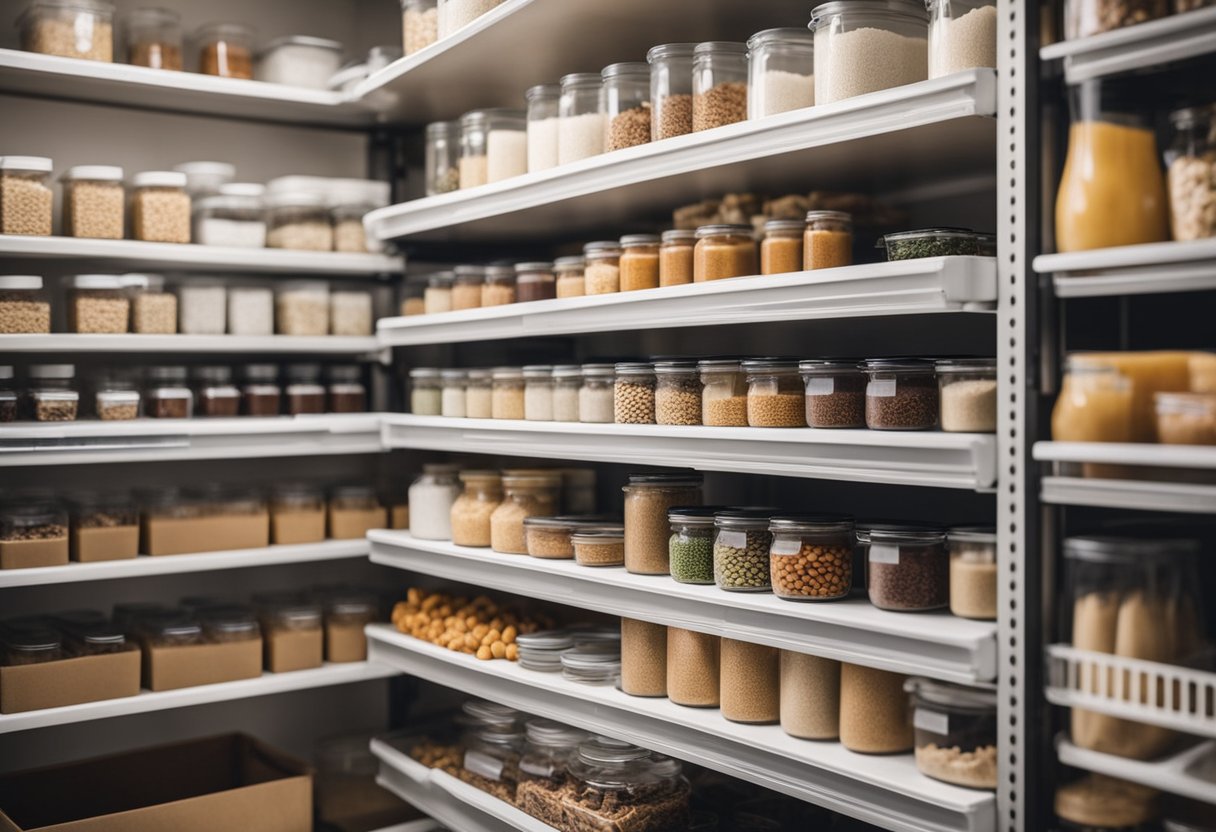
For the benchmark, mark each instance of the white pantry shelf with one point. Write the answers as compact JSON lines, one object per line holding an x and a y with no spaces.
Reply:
{"x":912,"y":133}
{"x":145,"y":565}
{"x":936,"y":284}
{"x":1143,"y":46}
{"x":137,"y":254}
{"x":147,"y":701}
{"x":145,"y":440}
{"x":929,"y":458}
{"x":937,"y":644}
{"x":887,"y":791}
{"x":1155,"y":268}
{"x":330,"y":345}
{"x":1183,"y":477}
{"x":1180,"y":773}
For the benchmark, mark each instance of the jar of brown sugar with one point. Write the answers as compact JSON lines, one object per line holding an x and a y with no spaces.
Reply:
{"x":828,"y":241}
{"x":214,"y":392}
{"x":775,"y":396}
{"x":569,"y":277}
{"x":225,"y":49}
{"x":724,"y":251}
{"x":675,"y":256}
{"x":902,"y":394}
{"x":835,"y":393}
{"x":305,"y":393}
{"x":499,"y":286}
{"x":648,"y":499}
{"x":167,"y":395}
{"x":260,"y":391}
{"x":464,"y":285}
{"x":534,"y":281}
{"x":603,"y":267}
{"x":781,"y":250}
{"x":639,"y":261}
{"x":723,"y":392}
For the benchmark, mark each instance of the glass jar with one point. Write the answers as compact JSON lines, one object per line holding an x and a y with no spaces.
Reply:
{"x":781,"y":72}
{"x":524,"y":495}
{"x":167,"y":395}
{"x":431,"y":497}
{"x":350,"y":313}
{"x":694,"y":668}
{"x":596,"y":396}
{"x":538,"y":392}
{"x":299,"y":220}
{"x":723,"y":393}
{"x":116,"y":398}
{"x":580,"y":123}
{"x":901,"y":394}
{"x":346,"y":213}
{"x":1191,"y":173}
{"x":677,"y":395}
{"x":24,"y":306}
{"x":506,"y":144}
{"x":550,"y":538}
{"x":302,"y":308}
{"x":751,"y":682}
{"x":214,"y":392}
{"x":648,"y":499}
{"x":968,"y":394}
{"x":1083,"y":18}
{"x":98,"y":639}
{"x":225,"y":625}
{"x":25,"y":196}
{"x":297,"y":514}
{"x":598,"y":548}
{"x":592,"y":664}
{"x":690,"y":549}
{"x":202,"y":307}
{"x":973,"y":591}
{"x":603,"y":267}
{"x":94,"y":203}
{"x":633,"y":394}
{"x":33,"y":533}
{"x":933,"y":242}
{"x":154,"y":38}
{"x":472,"y":510}
{"x":69,"y":28}
{"x":811,"y":557}
{"x":962,"y":35}
{"x":1095,"y":403}
{"x":442,"y":157}
{"x":835,"y":393}
{"x":226,"y":50}
{"x":810,"y":696}
{"x":612,"y":778}
{"x":426,"y":392}
{"x":534,"y":281}
{"x":907,"y":568}
{"x":955,"y":733}
{"x":236,"y":221}
{"x":452,"y":397}
{"x":868,"y":45}
{"x":160,"y":207}
{"x":875,"y":717}
{"x":643,"y":658}
{"x":676,"y":257}
{"x":569,"y":275}
{"x":98,"y":304}
{"x":775,"y":394}
{"x":542,"y":126}
{"x":352,"y":510}
{"x":1112,"y":191}
{"x":474,"y":164}
{"x":346,"y":393}
{"x":724,"y":251}
{"x":544,"y":768}
{"x":8,"y":394}
{"x":639,"y":262}
{"x":455,"y":290}
{"x":828,"y":240}
{"x":507,"y":400}
{"x":153,"y":310}
{"x":781,"y":248}
{"x":454,"y":14}
{"x":499,"y":286}
{"x":719,"y":84}
{"x":567,"y":380}
{"x":478,"y":395}
{"x":206,"y":178}
{"x":52,"y":395}
{"x":305,"y":393}
{"x":1186,"y":418}
{"x":260,"y":391}
{"x":671,"y":89}
{"x":419,"y":24}
{"x":439,"y":295}
{"x":626,"y":105}
{"x":741,"y":549}
{"x":32,"y":645}
{"x":412,"y":302}
{"x":491,"y":757}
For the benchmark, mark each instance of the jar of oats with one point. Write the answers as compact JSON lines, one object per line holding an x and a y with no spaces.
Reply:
{"x":25,"y":196}
{"x":153,"y":310}
{"x":69,"y":29}
{"x":298,"y":220}
{"x":97,"y":304}
{"x":24,"y":306}
{"x":160,"y":207}
{"x":302,"y":308}
{"x":93,"y":202}
{"x":603,"y":267}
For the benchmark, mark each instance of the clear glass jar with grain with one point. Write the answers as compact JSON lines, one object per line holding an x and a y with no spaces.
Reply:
{"x":452,"y":397}
{"x":25,"y":195}
{"x":626,"y":97}
{"x":671,"y":89}
{"x":602,"y":272}
{"x":507,"y":400}
{"x":524,"y":495}
{"x":973,"y":571}
{"x":955,"y":733}
{"x":543,"y":105}
{"x":596,"y":395}
{"x":835,"y":393}
{"x":750,"y":682}
{"x":724,"y":251}
{"x":153,"y":309}
{"x":474,"y":136}
{"x":226,"y":50}
{"x":214,"y":393}
{"x":648,"y":499}
{"x":781,"y":249}
{"x":967,"y":390}
{"x":639,"y":263}
{"x":167,"y":394}
{"x":442,"y":163}
{"x":160,"y":207}
{"x":723,"y":392}
{"x":499,"y":286}
{"x":471,"y":512}
{"x":875,"y":717}
{"x":154,"y":38}
{"x":426,"y":391}
{"x":775,"y":394}
{"x":902,"y":394}
{"x":828,"y":240}
{"x":97,"y":304}
{"x":633,"y":393}
{"x":677,"y":395}
{"x":302,"y":308}
{"x":571,"y":283}
{"x":811,"y":557}
{"x":907,"y":566}
{"x":694,"y":668}
{"x":299,"y":220}
{"x":94,"y":203}
{"x":864,"y":46}
{"x":781,"y":71}
{"x":538,"y":392}
{"x":25,"y":308}
{"x":479,"y":395}
{"x":719,"y":84}
{"x":69,"y":28}
{"x":535,"y":281}
{"x":676,"y":257}
{"x":580,"y":122}
{"x":261,"y":394}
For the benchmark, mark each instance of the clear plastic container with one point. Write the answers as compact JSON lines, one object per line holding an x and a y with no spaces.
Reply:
{"x":302,"y":308}
{"x":1186,"y":418}
{"x":671,"y":67}
{"x":167,"y":395}
{"x":811,"y":557}
{"x":69,"y":28}
{"x":580,"y":124}
{"x":214,"y":393}
{"x":426,"y":392}
{"x":419,"y":24}
{"x":598,"y":548}
{"x":98,"y":304}
{"x":225,"y":625}
{"x":261,"y":394}
{"x":25,"y":195}
{"x":962,"y":35}
{"x":236,"y":221}
{"x":828,"y":240}
{"x":973,"y":591}
{"x":353,"y":510}
{"x":470,"y":514}
{"x":781,"y":71}
{"x":203,"y":307}
{"x":507,"y":398}
{"x":542,"y":126}
{"x":345,"y":390}
{"x":226,"y":50}
{"x":626,"y":104}
{"x":612,"y":779}
{"x":348,"y":206}
{"x":676,"y":257}
{"x":931,"y":242}
{"x":835,"y":393}
{"x":160,"y":207}
{"x":350,"y":312}
{"x":1083,"y":18}
{"x":506,"y":144}
{"x":723,"y":393}
{"x":864,"y":46}
{"x":551,"y":538}
{"x":902,"y":394}
{"x":639,"y":262}
{"x":479,"y":395}
{"x":724,"y":251}
{"x":775,"y":394}
{"x":570,"y":279}
{"x":154,"y":38}
{"x":535,"y":281}
{"x":153,"y":310}
{"x":643,"y":658}
{"x":538,"y":392}
{"x":105,"y":526}
{"x":875,"y":717}
{"x":116,"y":398}
{"x":648,"y":499}
{"x":33,"y":533}
{"x":741,"y":550}
{"x":346,"y":614}
{"x":633,"y":394}
{"x":719,"y":84}
{"x":967,"y":389}
{"x":596,"y":396}
{"x":491,"y":759}
{"x":25,"y":307}
{"x":94,"y":202}
{"x":431,"y":497}
{"x":955,"y":733}
{"x":602,"y":272}
{"x":677,"y":396}
{"x":439,"y":294}
{"x":304,"y":392}
{"x":1191,"y":174}
{"x":544,"y":768}
{"x":781,"y":248}
{"x":32,"y":645}
{"x":250,"y":310}
{"x":52,"y":395}
{"x":474,"y":136}
{"x":299,"y":220}
{"x":691,"y":546}
{"x":810,"y":696}
{"x":499,"y":286}
{"x":442,"y":157}
{"x":907,"y":567}
{"x":524,"y":495}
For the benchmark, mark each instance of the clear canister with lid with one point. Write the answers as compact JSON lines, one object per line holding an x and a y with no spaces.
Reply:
{"x":116,"y":397}
{"x":426,"y":391}
{"x":160,"y":207}
{"x":52,"y":394}
{"x":499,"y":286}
{"x":153,"y":310}
{"x":864,"y":46}
{"x":570,"y":281}
{"x":452,"y":395}
{"x":639,"y":262}
{"x":693,"y":668}
{"x":439,"y":294}
{"x":549,"y":748}
{"x":936,"y":242}
{"x":491,"y":760}
{"x":835,"y":393}
{"x":967,"y":390}
{"x":479,"y":395}
{"x":69,"y":28}
{"x":538,"y":392}
{"x":470,"y":513}
{"x":671,"y":69}
{"x":442,"y":157}
{"x":167,"y":395}
{"x":226,"y":50}
{"x":431,"y":497}
{"x":25,"y":308}
{"x":955,"y":733}
{"x":214,"y":392}
{"x":907,"y":566}
{"x":94,"y":203}
{"x":901,"y":394}
{"x":154,"y":38}
{"x":602,"y":272}
{"x":419,"y":24}
{"x":203,"y":307}
{"x":719,"y":84}
{"x":25,"y":195}
{"x":691,"y":546}
{"x":676,"y":257}
{"x":973,"y":571}
{"x":648,"y":499}
{"x":598,"y":548}
{"x":345,"y":390}
{"x":299,"y":220}
{"x":781,"y":71}
{"x":677,"y":395}
{"x":260,"y":390}
{"x":507,"y":398}
{"x":567,"y":380}
{"x":741,"y":549}
{"x":524,"y":495}
{"x":580,"y":125}
{"x":724,"y":251}
{"x":751,"y":683}
{"x":723,"y":392}
{"x":98,"y":304}
{"x":1191,"y":173}
{"x":781,"y":248}
{"x":31,"y":645}
{"x":235,"y":220}
{"x":775,"y":393}
{"x":633,"y":393}
{"x":542,"y":112}
{"x":626,"y":97}
{"x":506,"y":144}
{"x":455,"y":290}
{"x":962,"y":35}
{"x":304,"y":392}
{"x":535,"y":281}
{"x":302,"y":308}
{"x":596,"y":403}
{"x":828,"y":240}
{"x":474,"y":136}
{"x":811,"y":557}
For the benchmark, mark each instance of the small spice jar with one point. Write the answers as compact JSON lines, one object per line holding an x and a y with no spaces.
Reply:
{"x":835,"y":393}
{"x":160,"y":207}
{"x":648,"y":499}
{"x":499,"y":286}
{"x":93,"y":202}
{"x":867,"y":46}
{"x":25,"y":197}
{"x":431,"y":497}
{"x":214,"y":392}
{"x":724,"y":251}
{"x":471,"y":512}
{"x":694,"y":668}
{"x":440,"y":293}
{"x":955,"y":733}
{"x":603,"y":267}
{"x":538,"y":392}
{"x":298,"y":220}
{"x":677,"y":395}
{"x":24,"y":306}
{"x":507,"y":399}
{"x":598,"y":548}
{"x":474,"y":130}
{"x":775,"y":394}
{"x":639,"y":262}
{"x":962,"y":35}
{"x":542,"y":126}
{"x":226,"y":50}
{"x":304,"y":392}
{"x":544,"y":768}
{"x":811,"y":557}
{"x":116,"y":398}
{"x":76,"y":29}
{"x":676,"y":257}
{"x":567,"y":380}
{"x":781,"y":249}
{"x":671,"y":89}
{"x":751,"y":682}
{"x":932,"y":242}
{"x":901,"y":394}
{"x":723,"y":392}
{"x":534,"y":281}
{"x":8,"y":394}
{"x":828,"y":240}
{"x":52,"y":395}
{"x":98,"y":304}
{"x":202,"y":305}
{"x":302,"y":308}
{"x":973,"y":571}
{"x":154,"y":38}
{"x":260,"y":391}
{"x":596,"y":396}
{"x":633,"y":394}
{"x":345,"y":391}
{"x":167,"y":396}
{"x":781,"y":72}
{"x":297,"y":514}
{"x":719,"y":84}
{"x":967,"y":389}
{"x":452,"y":396}
{"x":569,"y":277}
{"x":153,"y":310}
{"x":580,"y":121}
{"x":690,"y":549}
{"x":626,"y":105}
{"x":907,"y":568}
{"x":426,"y":392}
{"x":741,"y":549}
{"x":524,"y":495}
{"x":478,"y":395}
{"x":442,"y":157}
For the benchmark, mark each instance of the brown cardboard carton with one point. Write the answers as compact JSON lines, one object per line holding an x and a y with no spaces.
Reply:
{"x":27,"y":554}
{"x":101,"y":543}
{"x":345,"y":642}
{"x":288,"y":650}
{"x":297,"y":526}
{"x":184,"y":666}
{"x":31,"y":687}
{"x":213,"y":533}
{"x":399,"y":516}
{"x":231,"y":782}
{"x":352,"y":523}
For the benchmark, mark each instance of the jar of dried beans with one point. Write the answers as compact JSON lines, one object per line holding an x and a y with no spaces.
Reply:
{"x":160,"y":207}
{"x":677,"y":396}
{"x":534,"y":281}
{"x":93,"y":202}
{"x":691,"y":547}
{"x":775,"y":395}
{"x":741,"y":549}
{"x":571,"y":282}
{"x":633,"y":394}
{"x":648,"y":499}
{"x":724,"y":251}
{"x":907,"y":568}
{"x":719,"y":84}
{"x":626,"y":96}
{"x":835,"y":393}
{"x":828,"y":241}
{"x":25,"y":197}
{"x":811,"y":557}
{"x":676,"y":257}
{"x":781,"y":250}
{"x":603,"y":267}
{"x":671,"y":89}
{"x":901,"y":394}
{"x":1191,"y":177}
{"x":723,"y":392}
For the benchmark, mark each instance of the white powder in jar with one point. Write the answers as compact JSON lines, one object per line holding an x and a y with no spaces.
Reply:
{"x":250,"y":311}
{"x":473,"y":171}
{"x":565,"y":403}
{"x":969,"y":405}
{"x":431,"y":509}
{"x":962,"y":43}
{"x":538,"y":402}
{"x":452,"y":403}
{"x":595,"y":404}
{"x":579,"y":137}
{"x":459,"y":13}
{"x":542,"y":143}
{"x":864,"y":60}
{"x":478,"y":402}
{"x":781,"y":91}
{"x":506,"y":154}
{"x":202,"y":309}
{"x":215,"y":231}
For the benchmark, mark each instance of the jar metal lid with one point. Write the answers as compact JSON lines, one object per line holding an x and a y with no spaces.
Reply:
{"x":634,"y":368}
{"x":824,"y":366}
{"x":1114,"y":549}
{"x":605,"y":750}
{"x":538,"y":371}
{"x":52,"y":371}
{"x":597,"y":537}
{"x":467,"y":271}
{"x":545,"y":640}
{"x":678,"y":235}
{"x":537,"y":266}
{"x":96,"y":281}
{"x":500,"y":272}
{"x":159,"y":179}
{"x":770,"y":365}
{"x":206,"y":169}
{"x":453,"y":375}
{"x":575,"y":524}
{"x":507,"y":373}
{"x":576,"y":262}
{"x":303,"y":372}
{"x":902,"y":8}
{"x":670,"y":50}
{"x":784,"y":225}
{"x":602,"y":247}
{"x":625,"y":68}
{"x":720,"y":365}
{"x":142,"y":281}
{"x":674,"y":367}
{"x":836,"y":216}
{"x":542,"y":91}
{"x":228,"y":202}
{"x":599,"y":370}
{"x":793,"y":37}
{"x":567,"y":371}
{"x":711,"y":47}
{"x":690,"y":478}
{"x":480,"y":374}
{"x":442,"y":280}
{"x":93,"y":173}
{"x":971,"y":534}
{"x":34,"y":164}
{"x":902,"y":365}
{"x":883,"y":533}
{"x":425,"y":372}
{"x":725,"y":230}
{"x":811,"y":523}
{"x":640,"y":240}
{"x":966,"y":365}
{"x":748,"y":517}
{"x":581,"y":79}
{"x":549,"y":733}
{"x":694,"y":515}
{"x":20,"y":281}
{"x":296,"y":199}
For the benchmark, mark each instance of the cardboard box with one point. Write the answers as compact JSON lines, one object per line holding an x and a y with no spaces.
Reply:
{"x":31,"y":687}
{"x":227,"y":782}
{"x":399,"y":516}
{"x":213,"y":533}
{"x":345,"y":642}
{"x":352,"y":523}
{"x":184,"y":666}
{"x":297,"y":526}
{"x":288,"y":650}
{"x":104,"y":543}
{"x":27,"y":554}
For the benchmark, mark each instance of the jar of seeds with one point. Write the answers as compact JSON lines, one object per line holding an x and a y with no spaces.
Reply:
{"x":97,"y":304}
{"x":93,"y":202}
{"x":741,"y":549}
{"x":719,"y":84}
{"x":633,"y":394}
{"x":723,"y":392}
{"x":671,"y":89}
{"x":775,"y":395}
{"x":677,"y":395}
{"x":907,"y":568}
{"x":835,"y":393}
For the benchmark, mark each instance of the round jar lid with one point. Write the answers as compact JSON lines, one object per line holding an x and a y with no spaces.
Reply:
{"x":602,"y":248}
{"x":538,"y":371}
{"x":719,"y":47}
{"x":1113,"y":549}
{"x":159,"y":179}
{"x":93,"y":173}
{"x":567,"y":371}
{"x":424,"y":372}
{"x":545,"y":640}
{"x":690,"y":478}
{"x":678,"y":235}
{"x":893,"y":533}
{"x":491,"y":713}
{"x":725,"y":230}
{"x":33,"y":164}
{"x":827,"y":366}
{"x":506,"y":373}
{"x":549,"y":733}
{"x":537,"y":266}
{"x":221,"y":169}
{"x":52,"y":371}
{"x":640,"y":240}
{"x":302,"y":40}
{"x":833,"y":216}
{"x":599,"y":370}
{"x":246,"y":189}
{"x":480,"y":374}
{"x":748,"y":517}
{"x":634,"y":368}
{"x":770,"y":365}
{"x":437,"y":129}
{"x":625,"y":68}
{"x":900,"y":365}
{"x":972,"y":534}
{"x":784,"y":225}
{"x":543,"y":91}
{"x":670,"y":50}
{"x":966,"y":365}
{"x":900,"y":8}
{"x":20,"y":281}
{"x":952,"y":696}
{"x":785,"y":37}
{"x":598,"y":537}
{"x":96,"y":281}
{"x":811,"y":523}
{"x":574,"y":263}
{"x":260,"y":372}
{"x":694,"y":515}
{"x":581,"y":79}
{"x":296,"y":199}
{"x":596,"y":656}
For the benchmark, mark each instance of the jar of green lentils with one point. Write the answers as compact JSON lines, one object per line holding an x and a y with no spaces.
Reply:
{"x":691,"y":548}
{"x":741,"y":545}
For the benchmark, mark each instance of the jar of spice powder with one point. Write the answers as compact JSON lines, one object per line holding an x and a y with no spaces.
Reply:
{"x":775,"y":394}
{"x":260,"y":391}
{"x":781,"y":250}
{"x":452,"y":398}
{"x":633,"y":394}
{"x":499,"y":286}
{"x":724,"y":251}
{"x":438,"y":295}
{"x":639,"y":262}
{"x":670,"y":89}
{"x":538,"y":393}
{"x":567,"y":380}
{"x":346,"y":391}
{"x":507,"y":401}
{"x":305,"y":393}
{"x":973,"y":571}
{"x":835,"y":393}
{"x":677,"y":396}
{"x":214,"y":393}
{"x":167,"y":395}
{"x":534,"y":281}
{"x":426,"y":391}
{"x":648,"y":499}
{"x":828,"y":241}
{"x":569,"y":274}
{"x":603,"y":267}
{"x":478,"y":394}
{"x":675,"y":256}
{"x":723,"y":393}
{"x":596,"y":403}
{"x":465,"y":285}
{"x":902,"y":394}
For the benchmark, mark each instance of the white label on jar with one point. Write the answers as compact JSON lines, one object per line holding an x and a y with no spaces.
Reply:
{"x":884,"y":388}
{"x":883,"y":553}
{"x":483,"y":764}
{"x":735,"y":540}
{"x":786,"y":546}
{"x":820,"y":386}
{"x":931,"y":721}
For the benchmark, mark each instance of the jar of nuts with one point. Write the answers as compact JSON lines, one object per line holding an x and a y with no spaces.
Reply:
{"x":775,"y":396}
{"x":69,"y":28}
{"x":153,"y":310}
{"x":160,"y":207}
{"x":626,"y":96}
{"x":835,"y":393}
{"x":719,"y":84}
{"x":24,"y":306}
{"x":298,"y":220}
{"x":907,"y":568}
{"x":52,"y":395}
{"x":902,"y":394}
{"x":741,"y":549}
{"x":633,"y":394}
{"x":97,"y":304}
{"x":677,"y":395}
{"x":94,"y":204}
{"x":811,"y":557}
{"x":25,"y":196}
{"x":1191,"y":177}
